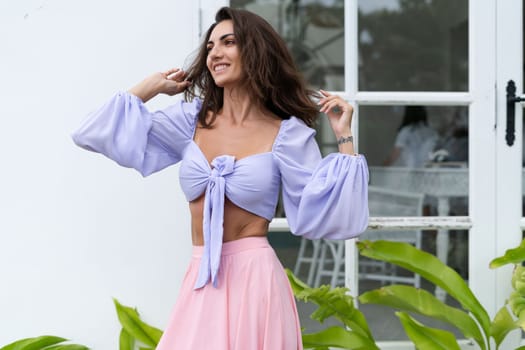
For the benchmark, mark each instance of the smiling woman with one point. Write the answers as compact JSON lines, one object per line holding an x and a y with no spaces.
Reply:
{"x":243,"y":136}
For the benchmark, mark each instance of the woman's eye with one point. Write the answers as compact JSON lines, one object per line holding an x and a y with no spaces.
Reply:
{"x":230,"y":42}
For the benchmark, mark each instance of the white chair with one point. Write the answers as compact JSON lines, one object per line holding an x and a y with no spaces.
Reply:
{"x":304,"y":258}
{"x":381,"y":202}
{"x":387,"y":202}
{"x":332,"y":267}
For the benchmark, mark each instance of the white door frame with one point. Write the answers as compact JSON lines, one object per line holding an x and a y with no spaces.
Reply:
{"x":482,"y":152}
{"x":508,"y":169}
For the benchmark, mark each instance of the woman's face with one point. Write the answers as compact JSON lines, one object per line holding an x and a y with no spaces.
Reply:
{"x":224,"y":61}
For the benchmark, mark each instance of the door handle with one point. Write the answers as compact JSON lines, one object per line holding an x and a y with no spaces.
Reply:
{"x":511,"y":111}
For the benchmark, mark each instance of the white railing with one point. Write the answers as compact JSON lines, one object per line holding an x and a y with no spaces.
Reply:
{"x":401,"y":223}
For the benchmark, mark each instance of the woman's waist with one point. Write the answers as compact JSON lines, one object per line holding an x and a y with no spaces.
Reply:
{"x":236,"y":246}
{"x":197,"y":236}
{"x":233,"y":228}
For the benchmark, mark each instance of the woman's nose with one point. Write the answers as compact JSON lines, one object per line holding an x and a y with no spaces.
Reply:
{"x":215,"y":52}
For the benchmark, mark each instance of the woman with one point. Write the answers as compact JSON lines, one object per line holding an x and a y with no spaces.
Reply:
{"x":244,"y":134}
{"x":415,"y":140}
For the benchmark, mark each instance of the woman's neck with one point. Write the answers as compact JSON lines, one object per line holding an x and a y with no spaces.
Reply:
{"x":238,"y":106}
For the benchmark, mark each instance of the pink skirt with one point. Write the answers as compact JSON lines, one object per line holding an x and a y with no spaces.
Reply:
{"x":253,"y":307}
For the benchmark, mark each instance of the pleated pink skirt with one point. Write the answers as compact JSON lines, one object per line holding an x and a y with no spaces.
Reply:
{"x":253,"y":307}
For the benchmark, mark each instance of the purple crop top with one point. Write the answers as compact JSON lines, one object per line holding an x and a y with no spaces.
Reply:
{"x":323,"y":198}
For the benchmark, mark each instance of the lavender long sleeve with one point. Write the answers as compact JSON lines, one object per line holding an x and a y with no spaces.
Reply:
{"x":323,"y":198}
{"x":125,"y":131}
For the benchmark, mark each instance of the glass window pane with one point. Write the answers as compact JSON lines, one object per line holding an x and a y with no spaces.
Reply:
{"x":413,"y":45}
{"x":416,"y":168}
{"x":314,"y":32}
{"x":422,"y":149}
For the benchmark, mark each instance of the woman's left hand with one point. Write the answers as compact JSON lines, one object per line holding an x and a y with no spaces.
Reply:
{"x":339,"y":113}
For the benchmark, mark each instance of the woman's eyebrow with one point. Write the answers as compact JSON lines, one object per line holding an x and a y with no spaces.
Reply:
{"x":221,"y":38}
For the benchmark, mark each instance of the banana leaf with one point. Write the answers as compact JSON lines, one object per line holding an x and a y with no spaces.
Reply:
{"x":36,"y":343}
{"x":410,"y":299}
{"x":334,"y":302}
{"x":430,"y":268}
{"x":66,"y":347}
{"x":501,"y":326}
{"x":126,"y":341}
{"x":511,"y":256}
{"x":130,"y":320}
{"x":521,"y":321}
{"x":426,"y":338}
{"x":338,"y":337}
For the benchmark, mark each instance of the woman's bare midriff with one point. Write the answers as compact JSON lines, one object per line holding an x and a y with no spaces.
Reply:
{"x":238,"y":223}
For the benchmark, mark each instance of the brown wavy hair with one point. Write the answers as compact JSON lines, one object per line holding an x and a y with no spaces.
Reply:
{"x":269,"y":71}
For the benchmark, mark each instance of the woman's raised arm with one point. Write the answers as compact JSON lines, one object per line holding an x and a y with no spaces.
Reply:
{"x":170,"y":82}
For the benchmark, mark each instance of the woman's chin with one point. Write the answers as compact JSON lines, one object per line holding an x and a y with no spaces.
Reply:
{"x":226,"y":83}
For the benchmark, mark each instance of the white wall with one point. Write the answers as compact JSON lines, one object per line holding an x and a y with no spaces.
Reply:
{"x":76,"y":229}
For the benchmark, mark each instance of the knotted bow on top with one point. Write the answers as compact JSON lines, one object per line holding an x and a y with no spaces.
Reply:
{"x":213,"y":220}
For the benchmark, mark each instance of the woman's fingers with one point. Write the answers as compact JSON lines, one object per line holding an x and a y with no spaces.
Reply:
{"x":328,"y":97}
{"x":334,"y":106}
{"x":175,"y":74}
{"x":178,"y":75}
{"x":338,"y":111}
{"x":171,"y":71}
{"x":324,"y":93}
{"x":176,"y":87}
{"x":330,"y":102}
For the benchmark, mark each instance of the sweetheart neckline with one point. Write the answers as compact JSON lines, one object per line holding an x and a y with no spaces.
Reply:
{"x":237,"y":160}
{"x":279,"y":132}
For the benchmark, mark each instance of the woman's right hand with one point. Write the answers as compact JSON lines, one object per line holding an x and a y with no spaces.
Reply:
{"x":170,"y":82}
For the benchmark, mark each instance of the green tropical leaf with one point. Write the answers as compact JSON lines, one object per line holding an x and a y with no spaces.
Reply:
{"x":521,"y":321}
{"x":426,"y":338}
{"x":130,"y":320}
{"x":410,"y":299}
{"x":36,"y":343}
{"x":501,"y":326}
{"x":430,"y":268}
{"x":126,"y":341}
{"x":334,"y":302}
{"x":337,"y":337}
{"x":66,"y":347}
{"x":511,"y":256}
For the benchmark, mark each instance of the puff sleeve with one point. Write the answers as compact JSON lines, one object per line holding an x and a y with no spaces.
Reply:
{"x":126,"y":132}
{"x":323,"y":198}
